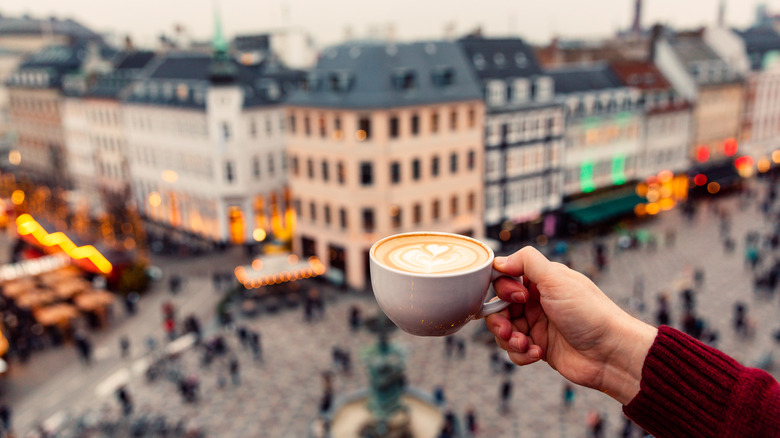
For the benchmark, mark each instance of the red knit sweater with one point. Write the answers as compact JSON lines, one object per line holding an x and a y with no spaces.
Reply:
{"x":691,"y":390}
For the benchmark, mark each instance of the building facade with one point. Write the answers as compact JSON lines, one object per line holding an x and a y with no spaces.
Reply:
{"x":205,"y":144}
{"x":387,"y":138}
{"x":524,"y":129}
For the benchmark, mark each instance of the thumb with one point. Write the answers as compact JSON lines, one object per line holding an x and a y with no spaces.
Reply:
{"x":528,"y":262}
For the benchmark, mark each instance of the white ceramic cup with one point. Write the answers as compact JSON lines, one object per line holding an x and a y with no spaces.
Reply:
{"x":434,"y":304}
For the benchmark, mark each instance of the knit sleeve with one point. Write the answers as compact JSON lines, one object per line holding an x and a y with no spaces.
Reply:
{"x":690,"y":389}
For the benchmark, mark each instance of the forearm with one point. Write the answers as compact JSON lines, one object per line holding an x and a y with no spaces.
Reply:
{"x":623,"y":367}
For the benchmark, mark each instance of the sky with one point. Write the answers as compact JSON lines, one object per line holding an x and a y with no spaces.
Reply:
{"x":328,"y":22}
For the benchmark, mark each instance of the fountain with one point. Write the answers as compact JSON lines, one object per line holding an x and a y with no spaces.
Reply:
{"x":388,"y":408}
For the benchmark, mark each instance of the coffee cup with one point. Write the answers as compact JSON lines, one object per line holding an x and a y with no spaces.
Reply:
{"x":431,"y":283}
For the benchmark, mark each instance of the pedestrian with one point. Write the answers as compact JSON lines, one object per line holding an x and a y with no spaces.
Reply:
{"x":595,"y":424}
{"x":438,"y":395}
{"x":471,"y":421}
{"x":84,"y":347}
{"x":461,"y":343}
{"x":689,"y":303}
{"x":740,"y":320}
{"x":354,"y":318}
{"x":5,"y":418}
{"x":257,"y":348}
{"x":698,"y":277}
{"x":449,"y":346}
{"x":506,"y":395}
{"x":168,"y":310}
{"x":124,"y":346}
{"x":131,"y":303}
{"x":192,"y":325}
{"x":568,"y":396}
{"x":235,"y":374}
{"x":151,"y":343}
{"x":495,"y":361}
{"x":662,"y":315}
{"x":169,"y":325}
{"x":125,"y":400}
{"x":242,"y":336}
{"x":448,"y":428}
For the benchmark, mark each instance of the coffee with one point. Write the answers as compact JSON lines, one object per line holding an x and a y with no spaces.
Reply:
{"x":431,"y":253}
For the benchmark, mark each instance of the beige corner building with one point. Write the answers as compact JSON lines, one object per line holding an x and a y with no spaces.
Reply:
{"x":387,"y":138}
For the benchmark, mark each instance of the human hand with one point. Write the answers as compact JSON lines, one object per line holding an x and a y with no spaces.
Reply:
{"x":559,"y":315}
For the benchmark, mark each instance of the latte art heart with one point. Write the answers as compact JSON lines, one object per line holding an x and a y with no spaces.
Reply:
{"x":432,"y":257}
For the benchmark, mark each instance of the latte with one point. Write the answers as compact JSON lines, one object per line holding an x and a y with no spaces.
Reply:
{"x":425,"y":253}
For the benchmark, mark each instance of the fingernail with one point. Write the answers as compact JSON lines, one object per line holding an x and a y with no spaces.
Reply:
{"x":499,"y":261}
{"x":534,"y":353}
{"x":518,"y":297}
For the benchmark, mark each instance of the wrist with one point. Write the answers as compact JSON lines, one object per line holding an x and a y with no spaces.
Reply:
{"x":623,"y":367}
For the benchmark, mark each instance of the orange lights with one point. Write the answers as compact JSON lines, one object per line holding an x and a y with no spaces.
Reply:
{"x":744,"y":165}
{"x":700,"y":179}
{"x":360,"y":135}
{"x":14,"y":157}
{"x":313,"y":268}
{"x":504,"y":235}
{"x":652,"y":208}
{"x":730,"y":147}
{"x":155,"y":200}
{"x":665,"y":176}
{"x":640,"y":210}
{"x":641,"y":189}
{"x":702,"y":154}
{"x":26,"y":225}
{"x":170,"y":176}
{"x":259,"y":234}
{"x":17,"y":197}
{"x":763,"y":165}
{"x":776,"y":156}
{"x":666,"y":204}
{"x":713,"y":187}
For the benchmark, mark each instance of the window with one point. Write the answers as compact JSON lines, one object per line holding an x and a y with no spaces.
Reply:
{"x":340,"y":172}
{"x":453,"y":162}
{"x":321,"y":123}
{"x":337,"y":133}
{"x":326,"y":214}
{"x":297,"y":207}
{"x":325,"y":171}
{"x":435,"y":166}
{"x":253,"y":129}
{"x":472,"y":117}
{"x":268,"y":126}
{"x":225,"y":131}
{"x":271,"y":164}
{"x":343,"y":218}
{"x":454,"y":205}
{"x":394,"y":127}
{"x":310,"y":168}
{"x":471,"y":201}
{"x":366,"y":173}
{"x":415,"y":122}
{"x":294,"y":165}
{"x":229,"y":176}
{"x":416,"y":214}
{"x":454,"y":120}
{"x":416,"y":169}
{"x":292,"y":124}
{"x":256,"y":167}
{"x":435,"y":210}
{"x":307,"y":125}
{"x":395,"y":172}
{"x":434,"y":122}
{"x":364,"y":129}
{"x":395,"y":216}
{"x":368,"y":220}
{"x":471,"y":160}
{"x":312,"y":211}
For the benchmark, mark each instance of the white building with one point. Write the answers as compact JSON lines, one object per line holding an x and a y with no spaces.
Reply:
{"x":206,"y":146}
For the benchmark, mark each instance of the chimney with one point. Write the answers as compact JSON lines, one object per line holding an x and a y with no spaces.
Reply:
{"x":655,"y":34}
{"x":721,"y":13}
{"x":636,"y":27}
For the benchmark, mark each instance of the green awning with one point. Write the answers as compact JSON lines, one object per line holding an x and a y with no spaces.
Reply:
{"x":603,"y":207}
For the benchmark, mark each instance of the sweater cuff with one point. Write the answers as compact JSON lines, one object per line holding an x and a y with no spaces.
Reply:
{"x":685,"y":387}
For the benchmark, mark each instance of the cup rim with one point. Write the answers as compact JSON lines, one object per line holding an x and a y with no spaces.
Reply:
{"x":489,"y":262}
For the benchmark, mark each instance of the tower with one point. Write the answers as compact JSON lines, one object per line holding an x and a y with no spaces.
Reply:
{"x":636,"y":27}
{"x":222,"y":70}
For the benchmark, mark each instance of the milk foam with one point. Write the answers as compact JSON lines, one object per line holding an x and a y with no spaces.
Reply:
{"x":431,"y":254}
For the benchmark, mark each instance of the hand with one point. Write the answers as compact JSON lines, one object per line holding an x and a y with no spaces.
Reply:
{"x":559,"y":315}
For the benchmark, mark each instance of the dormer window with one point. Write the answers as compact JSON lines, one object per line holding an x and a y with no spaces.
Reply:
{"x":479,"y":61}
{"x":341,"y":81}
{"x":443,"y":76}
{"x":521,"y":60}
{"x":404,"y":79}
{"x":182,"y":92}
{"x":499,"y":60}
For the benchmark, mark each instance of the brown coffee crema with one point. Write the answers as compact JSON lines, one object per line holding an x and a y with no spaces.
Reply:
{"x":431,"y":254}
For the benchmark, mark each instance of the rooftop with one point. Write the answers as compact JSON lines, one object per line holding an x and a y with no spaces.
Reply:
{"x":640,"y":74}
{"x":584,"y":78}
{"x":760,"y":42}
{"x":497,"y":58}
{"x":26,"y":25}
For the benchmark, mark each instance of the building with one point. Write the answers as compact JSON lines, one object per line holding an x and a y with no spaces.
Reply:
{"x":386,"y":138}
{"x":715,"y":87}
{"x":761,"y":122}
{"x":524,"y":129}
{"x":94,"y":129}
{"x":602,"y":143}
{"x":666,"y":123}
{"x":23,"y":36}
{"x":205,"y":141}
{"x":35,"y":92}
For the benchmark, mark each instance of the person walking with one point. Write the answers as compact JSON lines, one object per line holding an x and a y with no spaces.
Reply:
{"x":235,"y":371}
{"x":471,"y":421}
{"x":125,"y":400}
{"x":354,"y":318}
{"x":568,"y":396}
{"x":506,"y":395}
{"x":84,"y":347}
{"x":124,"y":346}
{"x":256,"y":346}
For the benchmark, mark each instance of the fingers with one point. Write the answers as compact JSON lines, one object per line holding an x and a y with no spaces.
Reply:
{"x":527,"y":262}
{"x":533,"y":354}
{"x":509,"y":289}
{"x":499,"y":325}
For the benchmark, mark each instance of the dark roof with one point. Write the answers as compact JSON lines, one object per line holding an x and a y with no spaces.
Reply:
{"x":691,"y":49}
{"x":372,"y":74}
{"x":132,"y":60}
{"x":640,"y":74}
{"x":759,"y":41}
{"x":192,"y":70}
{"x":26,"y":25}
{"x":497,"y":58}
{"x":47,"y":67}
{"x":584,"y":78}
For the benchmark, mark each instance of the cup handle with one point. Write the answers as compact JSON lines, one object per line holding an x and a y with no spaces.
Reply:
{"x":494,"y":306}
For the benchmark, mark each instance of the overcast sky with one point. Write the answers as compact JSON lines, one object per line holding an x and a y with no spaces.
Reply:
{"x":327,"y":21}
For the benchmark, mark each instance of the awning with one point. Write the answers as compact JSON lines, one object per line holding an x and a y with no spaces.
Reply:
{"x":603,"y":207}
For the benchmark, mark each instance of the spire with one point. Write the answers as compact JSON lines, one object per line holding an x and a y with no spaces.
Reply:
{"x":222,"y":69}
